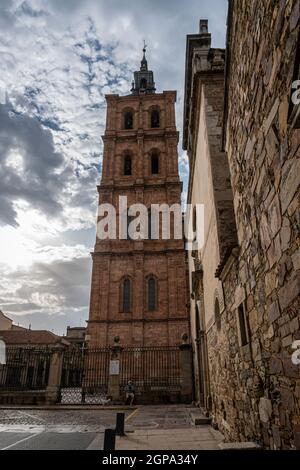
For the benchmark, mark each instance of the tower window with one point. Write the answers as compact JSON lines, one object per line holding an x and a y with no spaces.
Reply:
{"x":154,"y":164}
{"x":127,"y":165}
{"x":155,"y":118}
{"x":128,"y":120}
{"x":151,"y":294}
{"x":126,"y":295}
{"x":143,"y":84}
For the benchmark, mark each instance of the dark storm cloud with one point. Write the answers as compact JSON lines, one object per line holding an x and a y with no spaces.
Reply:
{"x":39,"y":179}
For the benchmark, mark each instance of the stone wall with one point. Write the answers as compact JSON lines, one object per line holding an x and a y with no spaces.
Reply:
{"x":255,"y":387}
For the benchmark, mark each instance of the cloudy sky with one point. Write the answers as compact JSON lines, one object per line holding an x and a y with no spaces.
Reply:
{"x":58,"y":60}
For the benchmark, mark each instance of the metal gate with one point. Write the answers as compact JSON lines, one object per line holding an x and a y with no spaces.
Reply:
{"x":84,"y":377}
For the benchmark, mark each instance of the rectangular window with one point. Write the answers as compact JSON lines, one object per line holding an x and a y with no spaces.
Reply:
{"x":243,"y":325}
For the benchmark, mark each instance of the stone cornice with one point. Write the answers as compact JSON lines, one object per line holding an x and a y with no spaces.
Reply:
{"x":133,"y":252}
{"x":145,"y":185}
{"x":120,"y":135}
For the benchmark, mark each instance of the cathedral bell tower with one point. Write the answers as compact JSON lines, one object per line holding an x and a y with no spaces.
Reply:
{"x":139,"y":287}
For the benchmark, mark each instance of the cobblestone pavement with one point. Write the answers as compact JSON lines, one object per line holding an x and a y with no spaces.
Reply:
{"x":79,"y":428}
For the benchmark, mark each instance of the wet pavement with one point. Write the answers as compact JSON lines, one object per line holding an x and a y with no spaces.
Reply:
{"x":77,"y":429}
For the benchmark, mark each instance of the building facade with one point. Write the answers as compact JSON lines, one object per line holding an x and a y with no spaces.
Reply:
{"x":242,"y":137}
{"x":139,"y":286}
{"x":76,"y":336}
{"x":7,"y":324}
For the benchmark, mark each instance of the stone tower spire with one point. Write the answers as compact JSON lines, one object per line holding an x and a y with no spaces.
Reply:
{"x":143,"y":79}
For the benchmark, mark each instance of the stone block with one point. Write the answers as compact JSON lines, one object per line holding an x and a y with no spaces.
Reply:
{"x":289,"y":291}
{"x":271,"y":116}
{"x":290,"y":183}
{"x":287,"y":399}
{"x":285,"y":234}
{"x":273,"y":312}
{"x":275,"y":366}
{"x":265,"y":410}
{"x":274,"y":252}
{"x":274,"y":215}
{"x":287,"y":341}
{"x":291,"y":370}
{"x":239,"y":446}
{"x":296,"y":259}
{"x":270,"y":282}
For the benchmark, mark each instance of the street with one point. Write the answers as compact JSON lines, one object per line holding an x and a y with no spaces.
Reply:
{"x":79,"y":429}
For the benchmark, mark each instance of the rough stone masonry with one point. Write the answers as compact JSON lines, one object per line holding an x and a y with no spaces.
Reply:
{"x":247,"y":378}
{"x":257,"y":384}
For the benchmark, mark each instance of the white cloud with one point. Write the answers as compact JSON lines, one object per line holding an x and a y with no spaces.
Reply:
{"x":58,"y":60}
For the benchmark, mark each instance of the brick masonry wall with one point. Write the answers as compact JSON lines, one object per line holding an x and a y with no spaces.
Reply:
{"x":163,"y":259}
{"x":256,"y":388}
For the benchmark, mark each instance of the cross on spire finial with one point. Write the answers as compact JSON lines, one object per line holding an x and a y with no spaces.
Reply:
{"x":143,"y":78}
{"x":144,"y":64}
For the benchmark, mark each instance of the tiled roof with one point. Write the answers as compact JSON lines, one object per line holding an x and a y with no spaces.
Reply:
{"x":26,"y":337}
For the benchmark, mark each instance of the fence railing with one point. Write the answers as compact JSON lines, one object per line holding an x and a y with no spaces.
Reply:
{"x":151,"y":368}
{"x":25,"y":369}
{"x":89,"y":375}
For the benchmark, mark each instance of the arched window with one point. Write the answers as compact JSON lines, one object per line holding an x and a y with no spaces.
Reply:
{"x":127,"y":165}
{"x":151,"y":287}
{"x":217,"y":314}
{"x":154,"y":118}
{"x":143,"y":84}
{"x":126,"y":295}
{"x":128,"y":120}
{"x":154,"y":164}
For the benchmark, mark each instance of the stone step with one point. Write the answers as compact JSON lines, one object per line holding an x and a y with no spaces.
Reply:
{"x":198,"y":418}
{"x":239,"y":446}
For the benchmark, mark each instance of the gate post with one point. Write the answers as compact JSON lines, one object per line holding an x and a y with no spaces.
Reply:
{"x":186,"y":371}
{"x":114,"y":371}
{"x":54,"y":378}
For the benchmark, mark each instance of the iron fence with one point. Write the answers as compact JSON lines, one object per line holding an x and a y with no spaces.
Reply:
{"x":151,"y":368}
{"x":25,"y":369}
{"x":84,"y":377}
{"x":85,"y":372}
